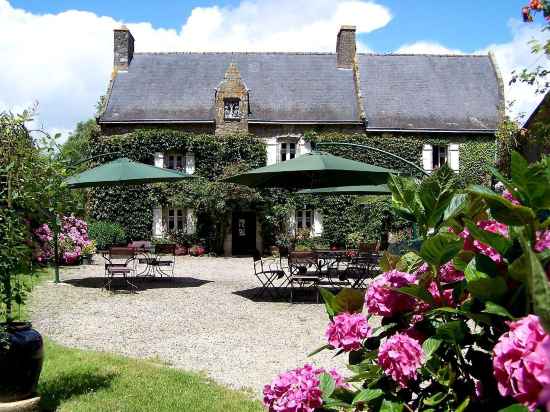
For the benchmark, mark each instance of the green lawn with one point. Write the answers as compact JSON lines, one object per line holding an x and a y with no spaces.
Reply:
{"x":76,"y":380}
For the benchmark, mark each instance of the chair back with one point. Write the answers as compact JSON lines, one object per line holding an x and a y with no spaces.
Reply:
{"x":165,"y":249}
{"x":140,"y":244}
{"x":121,"y":252}
{"x":369,"y":247}
{"x":302,"y":258}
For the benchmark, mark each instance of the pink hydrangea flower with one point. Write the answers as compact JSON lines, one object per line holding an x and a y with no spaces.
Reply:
{"x":297,"y":390}
{"x":400,"y":356}
{"x":475,"y":245}
{"x":543,"y":241}
{"x":347,"y":331}
{"x":448,"y":273}
{"x":521,"y":361}
{"x":510,"y":197}
{"x":382,"y":300}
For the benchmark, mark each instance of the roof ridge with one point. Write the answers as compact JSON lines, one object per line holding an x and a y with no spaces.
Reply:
{"x":423,"y":54}
{"x":233,"y":52}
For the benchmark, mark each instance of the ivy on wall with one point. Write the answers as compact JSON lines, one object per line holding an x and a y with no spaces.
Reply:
{"x":217,"y":156}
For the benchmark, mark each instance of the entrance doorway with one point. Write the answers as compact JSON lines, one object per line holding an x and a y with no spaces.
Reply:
{"x":244,"y":233}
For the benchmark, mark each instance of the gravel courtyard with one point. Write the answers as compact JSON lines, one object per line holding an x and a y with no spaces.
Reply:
{"x":203,"y":321}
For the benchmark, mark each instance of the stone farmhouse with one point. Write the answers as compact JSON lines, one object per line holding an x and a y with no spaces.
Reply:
{"x":278,"y":97}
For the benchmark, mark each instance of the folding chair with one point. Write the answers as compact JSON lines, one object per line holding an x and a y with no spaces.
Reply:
{"x":268,"y":270}
{"x":165,"y":259}
{"x":120,"y":261}
{"x":299,"y":276}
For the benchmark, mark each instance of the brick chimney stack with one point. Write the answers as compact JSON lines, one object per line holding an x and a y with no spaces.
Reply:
{"x":123,"y":48}
{"x":345,"y":47}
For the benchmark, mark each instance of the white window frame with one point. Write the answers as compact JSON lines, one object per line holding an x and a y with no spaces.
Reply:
{"x":303,"y":217}
{"x":175,"y":161}
{"x":287,"y":150}
{"x":439,"y":156}
{"x":174,"y":219}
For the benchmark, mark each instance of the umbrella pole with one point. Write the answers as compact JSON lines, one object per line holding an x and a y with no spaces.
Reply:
{"x":56,"y":251}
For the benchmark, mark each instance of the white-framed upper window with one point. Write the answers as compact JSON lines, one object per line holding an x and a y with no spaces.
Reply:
{"x":304,"y":218}
{"x":231,"y":109}
{"x":287,"y":151}
{"x":440,"y":156}
{"x":174,"y":219}
{"x":175,"y":161}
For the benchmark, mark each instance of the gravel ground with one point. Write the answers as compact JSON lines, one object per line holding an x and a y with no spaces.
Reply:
{"x":204,"y":321}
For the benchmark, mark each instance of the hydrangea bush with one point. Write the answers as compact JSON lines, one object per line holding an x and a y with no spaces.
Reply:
{"x":461,"y":324}
{"x":73,"y":241}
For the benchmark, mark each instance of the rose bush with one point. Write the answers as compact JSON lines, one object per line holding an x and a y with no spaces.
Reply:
{"x":462,"y":323}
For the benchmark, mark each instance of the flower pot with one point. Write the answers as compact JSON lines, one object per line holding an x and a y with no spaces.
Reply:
{"x":87,"y":260}
{"x":180,"y":250}
{"x":21,"y":362}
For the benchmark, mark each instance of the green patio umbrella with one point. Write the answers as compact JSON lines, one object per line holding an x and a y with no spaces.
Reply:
{"x":347,"y":190}
{"x":123,"y":172}
{"x":314,"y":170}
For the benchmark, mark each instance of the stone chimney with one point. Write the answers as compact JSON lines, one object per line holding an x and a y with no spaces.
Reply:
{"x":124,"y":48}
{"x":345,"y":47}
{"x":231,"y":103}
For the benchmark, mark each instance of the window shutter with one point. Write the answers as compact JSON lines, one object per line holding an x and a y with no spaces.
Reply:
{"x":159,"y":159}
{"x":454,"y":156}
{"x":271,"y":148}
{"x":427,"y":160}
{"x":190,"y":163}
{"x":302,"y":147}
{"x":292,"y":221}
{"x":157,"y":222}
{"x":191,"y":221}
{"x":317,"y":223}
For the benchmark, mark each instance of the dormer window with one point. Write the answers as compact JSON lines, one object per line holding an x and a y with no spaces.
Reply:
{"x":231,"y":109}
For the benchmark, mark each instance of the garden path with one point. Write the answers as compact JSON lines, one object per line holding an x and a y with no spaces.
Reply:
{"x":202,"y":321}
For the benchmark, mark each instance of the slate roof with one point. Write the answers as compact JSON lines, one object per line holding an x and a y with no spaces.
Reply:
{"x":399,"y":92}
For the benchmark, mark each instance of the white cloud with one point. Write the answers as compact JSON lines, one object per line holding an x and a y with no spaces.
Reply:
{"x":516,"y":55}
{"x":426,"y":47}
{"x":64,"y":60}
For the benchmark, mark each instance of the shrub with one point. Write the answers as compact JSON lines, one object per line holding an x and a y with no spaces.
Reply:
{"x":464,"y":322}
{"x":107,"y":234}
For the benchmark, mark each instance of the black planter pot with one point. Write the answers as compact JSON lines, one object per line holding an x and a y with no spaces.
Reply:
{"x":21,"y":363}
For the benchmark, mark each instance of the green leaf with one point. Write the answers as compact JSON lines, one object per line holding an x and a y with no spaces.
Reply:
{"x":430,"y":346}
{"x":441,"y":248}
{"x":515,"y":408}
{"x":518,"y":269}
{"x":326,"y":384}
{"x":320,"y":349}
{"x":435,"y":399}
{"x":416,"y":291}
{"x":495,"y":309}
{"x":462,"y":407}
{"x":367,"y":395}
{"x":454,"y":331}
{"x":539,"y":286}
{"x":381,"y":329}
{"x":456,"y":206}
{"x":389,"y":406}
{"x":388,"y":261}
{"x":483,"y":286}
{"x":328,"y":297}
{"x":503,"y":210}
{"x":331,"y":403}
{"x":349,"y":300}
{"x":404,"y":196}
{"x":409,"y":262}
{"x":498,"y":242}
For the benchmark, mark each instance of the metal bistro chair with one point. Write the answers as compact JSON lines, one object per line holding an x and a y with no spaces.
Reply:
{"x":362,"y":268}
{"x":299,"y":276}
{"x":120,"y":261}
{"x":165,"y":259}
{"x":267,"y":271}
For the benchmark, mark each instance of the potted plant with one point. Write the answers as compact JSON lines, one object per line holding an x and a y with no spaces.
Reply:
{"x":197,"y":250}
{"x":88,"y":253}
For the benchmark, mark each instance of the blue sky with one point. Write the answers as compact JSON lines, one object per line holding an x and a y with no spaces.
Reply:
{"x":58,"y":53}
{"x":468,"y":25}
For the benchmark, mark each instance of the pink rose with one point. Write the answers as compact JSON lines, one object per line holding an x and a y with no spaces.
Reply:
{"x":347,"y":331}
{"x":400,"y":356}
{"x":521,"y":361}
{"x":382,"y":300}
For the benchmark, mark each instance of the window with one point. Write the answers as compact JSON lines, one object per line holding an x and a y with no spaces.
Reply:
{"x":175,"y":219}
{"x":304,"y":219}
{"x":175,"y":161}
{"x":231,"y":110}
{"x":439,"y":156}
{"x":288,"y":151}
